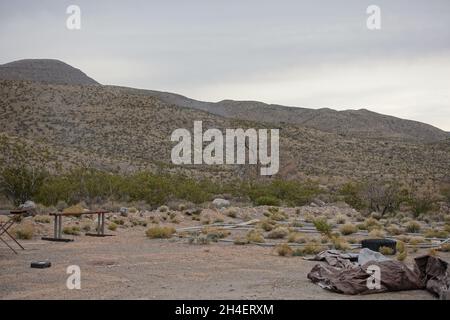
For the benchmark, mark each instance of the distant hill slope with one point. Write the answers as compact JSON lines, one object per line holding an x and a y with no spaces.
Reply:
{"x":116,"y":128}
{"x":355,"y":123}
{"x":361,"y":123}
{"x":46,"y":71}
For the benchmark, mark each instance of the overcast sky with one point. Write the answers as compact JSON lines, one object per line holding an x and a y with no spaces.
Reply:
{"x":299,"y":53}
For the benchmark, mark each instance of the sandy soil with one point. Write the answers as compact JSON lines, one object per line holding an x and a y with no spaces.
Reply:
{"x":130,"y":266}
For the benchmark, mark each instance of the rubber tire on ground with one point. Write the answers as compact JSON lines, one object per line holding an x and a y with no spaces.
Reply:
{"x":375,"y":244}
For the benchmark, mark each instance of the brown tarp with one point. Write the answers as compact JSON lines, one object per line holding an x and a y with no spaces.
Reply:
{"x":429,"y":273}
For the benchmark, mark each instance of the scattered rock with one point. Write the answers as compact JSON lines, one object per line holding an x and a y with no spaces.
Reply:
{"x":221,"y":203}
{"x":124,"y":212}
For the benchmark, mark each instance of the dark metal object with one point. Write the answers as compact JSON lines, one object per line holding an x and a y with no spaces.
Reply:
{"x":376,"y":244}
{"x":41,"y":264}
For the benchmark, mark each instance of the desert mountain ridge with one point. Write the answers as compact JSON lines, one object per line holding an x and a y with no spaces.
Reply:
{"x":357,"y":123}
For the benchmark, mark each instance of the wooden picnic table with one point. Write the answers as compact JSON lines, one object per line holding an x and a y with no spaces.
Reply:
{"x":58,"y":216}
{"x":5,"y":226}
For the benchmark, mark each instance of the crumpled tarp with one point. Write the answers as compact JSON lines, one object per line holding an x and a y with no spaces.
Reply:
{"x":429,"y":273}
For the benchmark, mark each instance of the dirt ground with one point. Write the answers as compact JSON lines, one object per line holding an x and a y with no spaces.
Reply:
{"x":130,"y":266}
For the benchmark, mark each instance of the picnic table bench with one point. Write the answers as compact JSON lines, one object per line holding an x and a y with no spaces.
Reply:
{"x":5,"y":226}
{"x":58,"y":216}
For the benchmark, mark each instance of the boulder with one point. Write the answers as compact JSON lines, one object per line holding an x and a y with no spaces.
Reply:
{"x":221,"y":203}
{"x":124,"y":212}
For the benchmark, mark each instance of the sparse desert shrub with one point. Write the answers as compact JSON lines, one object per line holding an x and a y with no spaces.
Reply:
{"x":160,"y":232}
{"x":112,"y":226}
{"x":267,"y":224}
{"x":377,"y":233}
{"x":86,"y":227}
{"x":118,"y":221}
{"x":386,"y":251}
{"x":401,"y":256}
{"x":394,"y":230}
{"x":231,"y":212}
{"x":352,"y":193}
{"x":284,"y":250}
{"x":278,"y":233}
{"x":416,"y":240}
{"x":348,"y":228}
{"x":433,"y":233}
{"x":42,"y":219}
{"x":163,"y":209}
{"x":255,"y":236}
{"x":278,"y":216}
{"x":444,"y":247}
{"x":24,"y":232}
{"x":267,"y":201}
{"x":311,"y":248}
{"x":371,"y":223}
{"x":322,"y":226}
{"x":215,"y":233}
{"x":340,"y":244}
{"x":413,"y":227}
{"x":296,"y":224}
{"x":341,"y":219}
{"x":240,"y":241}
{"x":138,"y":222}
{"x":296,"y":237}
{"x":72,"y":230}
{"x":309,"y":218}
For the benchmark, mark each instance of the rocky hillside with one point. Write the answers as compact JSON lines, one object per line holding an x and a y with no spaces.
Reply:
{"x":44,"y":70}
{"x":123,"y":129}
{"x":359,"y":123}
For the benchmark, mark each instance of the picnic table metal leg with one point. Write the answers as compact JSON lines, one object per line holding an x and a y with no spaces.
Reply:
{"x":55,"y":234}
{"x":4,"y":230}
{"x":103,"y":224}
{"x":60,"y":228}
{"x":7,"y":244}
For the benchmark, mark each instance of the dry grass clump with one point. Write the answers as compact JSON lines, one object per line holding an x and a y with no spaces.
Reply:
{"x":160,"y":232}
{"x":240,"y":241}
{"x":309,"y":218}
{"x":371,"y":224}
{"x":78,"y":208}
{"x":402,"y":252}
{"x":24,"y":232}
{"x":112,"y":226}
{"x":386,"y":251}
{"x":340,"y":244}
{"x":276,"y":214}
{"x":445,"y":247}
{"x":413,"y":227}
{"x":433,"y":233}
{"x":348,"y":228}
{"x":341,"y":219}
{"x":215,"y":233}
{"x":309,"y":249}
{"x":377,"y":234}
{"x":163,"y":209}
{"x":394,"y":230}
{"x":278,"y":233}
{"x":416,"y":240}
{"x":267,"y":224}
{"x":296,"y":237}
{"x":284,"y":250}
{"x":255,"y":236}
{"x":231,"y":212}
{"x":296,"y":224}
{"x":72,"y":230}
{"x":42,"y":219}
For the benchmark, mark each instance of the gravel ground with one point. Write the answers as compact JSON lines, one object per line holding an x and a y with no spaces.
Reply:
{"x":129,"y":266}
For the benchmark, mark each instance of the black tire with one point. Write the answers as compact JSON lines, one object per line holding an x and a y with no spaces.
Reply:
{"x":375,"y":244}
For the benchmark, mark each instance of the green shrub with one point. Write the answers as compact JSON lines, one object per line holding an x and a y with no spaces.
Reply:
{"x":322,"y":226}
{"x":112,"y":226}
{"x":72,"y":230}
{"x":386,"y":251}
{"x":267,"y":201}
